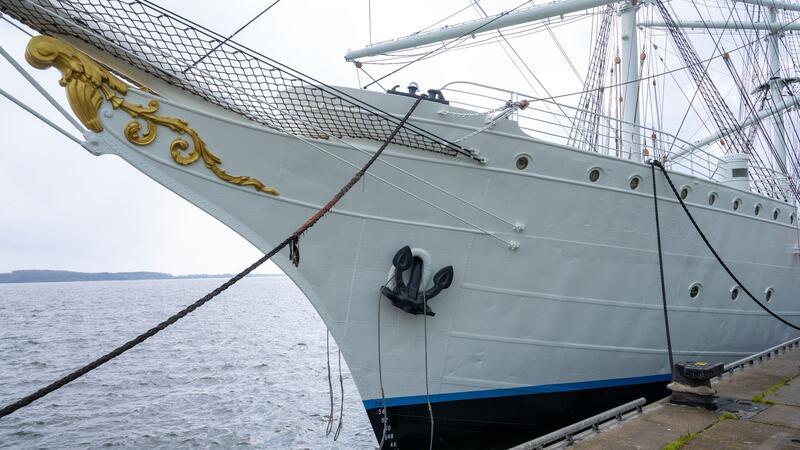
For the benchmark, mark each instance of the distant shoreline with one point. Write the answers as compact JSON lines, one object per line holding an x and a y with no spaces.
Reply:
{"x":49,"y":276}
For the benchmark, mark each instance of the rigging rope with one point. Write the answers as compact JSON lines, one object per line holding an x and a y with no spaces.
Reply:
{"x":658,"y":164}
{"x":231,"y":36}
{"x":294,"y":255}
{"x":427,"y":383}
{"x":584,"y":132}
{"x":522,"y":61}
{"x":443,"y":47}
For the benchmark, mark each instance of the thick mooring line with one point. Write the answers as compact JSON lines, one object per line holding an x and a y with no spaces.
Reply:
{"x":294,"y":255}
{"x":656,"y":163}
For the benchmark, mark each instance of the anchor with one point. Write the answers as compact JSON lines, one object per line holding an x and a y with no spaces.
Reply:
{"x":407,"y":296}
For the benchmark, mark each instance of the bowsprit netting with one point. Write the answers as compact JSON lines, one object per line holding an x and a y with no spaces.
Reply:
{"x":186,"y":55}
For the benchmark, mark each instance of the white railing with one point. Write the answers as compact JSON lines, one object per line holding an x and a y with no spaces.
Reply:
{"x":567,"y":125}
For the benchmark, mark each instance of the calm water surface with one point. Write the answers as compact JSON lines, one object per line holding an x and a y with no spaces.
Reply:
{"x":247,"y":369}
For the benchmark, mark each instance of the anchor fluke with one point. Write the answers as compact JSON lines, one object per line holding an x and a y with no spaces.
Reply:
{"x":412,"y":297}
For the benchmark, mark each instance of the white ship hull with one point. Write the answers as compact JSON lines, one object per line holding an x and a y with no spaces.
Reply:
{"x":555,"y":309}
{"x":569,"y":322}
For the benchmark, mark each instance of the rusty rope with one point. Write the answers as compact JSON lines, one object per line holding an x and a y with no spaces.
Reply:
{"x":294,"y":252}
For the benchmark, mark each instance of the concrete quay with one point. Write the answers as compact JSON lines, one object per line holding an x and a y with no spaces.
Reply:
{"x":759,"y":409}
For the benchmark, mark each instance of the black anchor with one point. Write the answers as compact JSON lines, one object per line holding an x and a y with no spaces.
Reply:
{"x":405,"y":296}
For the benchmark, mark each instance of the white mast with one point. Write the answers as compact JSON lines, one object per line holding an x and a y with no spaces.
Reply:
{"x":496,"y":22}
{"x":724,"y":25}
{"x":775,"y":83}
{"x":631,"y":135}
{"x":775,"y":91}
{"x":715,"y":137}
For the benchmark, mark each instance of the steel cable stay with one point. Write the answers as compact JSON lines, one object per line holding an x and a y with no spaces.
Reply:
{"x":502,"y":35}
{"x":444,"y":46}
{"x":387,"y":59}
{"x":656,"y":163}
{"x":343,"y":94}
{"x":792,"y":158}
{"x":292,"y":241}
{"x":511,"y":32}
{"x":512,"y":245}
{"x":747,"y":104}
{"x":516,"y":226}
{"x":231,"y":36}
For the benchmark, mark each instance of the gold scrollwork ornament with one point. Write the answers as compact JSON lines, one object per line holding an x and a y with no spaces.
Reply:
{"x":88,"y":83}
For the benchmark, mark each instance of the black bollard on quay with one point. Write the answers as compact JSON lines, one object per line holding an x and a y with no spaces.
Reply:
{"x":691,"y":383}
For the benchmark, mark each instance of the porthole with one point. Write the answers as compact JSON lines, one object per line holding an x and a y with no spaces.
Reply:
{"x":634,"y":182}
{"x":594,"y":174}
{"x":791,"y":218}
{"x":757,"y":209}
{"x":522,"y":162}
{"x":734,"y":293}
{"x":684,"y":192}
{"x":694,"y":290}
{"x":768,"y":294}
{"x":776,"y":214}
{"x":736,"y":204}
{"x":712,"y":198}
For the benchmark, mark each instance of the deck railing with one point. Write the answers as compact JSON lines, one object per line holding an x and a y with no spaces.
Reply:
{"x":567,"y":125}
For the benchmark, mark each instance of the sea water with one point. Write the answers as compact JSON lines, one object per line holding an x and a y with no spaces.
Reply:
{"x":248,"y":369}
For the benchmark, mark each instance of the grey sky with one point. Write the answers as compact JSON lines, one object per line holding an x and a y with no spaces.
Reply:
{"x":66,"y":209}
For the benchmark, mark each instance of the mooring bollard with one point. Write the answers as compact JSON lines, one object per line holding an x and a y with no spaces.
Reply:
{"x":692,"y":383}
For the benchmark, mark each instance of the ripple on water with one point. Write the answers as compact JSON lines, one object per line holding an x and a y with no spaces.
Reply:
{"x":234,"y":373}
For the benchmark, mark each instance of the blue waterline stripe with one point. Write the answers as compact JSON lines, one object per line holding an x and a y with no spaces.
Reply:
{"x":492,"y":393}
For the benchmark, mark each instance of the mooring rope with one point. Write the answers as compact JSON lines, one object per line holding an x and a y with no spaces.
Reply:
{"x":341,"y":399}
{"x":661,"y":270}
{"x":292,"y":241}
{"x":329,"y":427}
{"x":427,"y":384}
{"x":385,"y":416}
{"x":714,"y":252}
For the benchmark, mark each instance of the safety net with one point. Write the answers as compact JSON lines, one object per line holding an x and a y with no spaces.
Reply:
{"x":187,"y":55}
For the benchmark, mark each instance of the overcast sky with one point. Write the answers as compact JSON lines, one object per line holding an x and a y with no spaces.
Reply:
{"x":63,"y":208}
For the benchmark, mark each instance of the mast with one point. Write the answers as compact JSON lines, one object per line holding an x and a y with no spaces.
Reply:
{"x":776,"y":82}
{"x":715,"y":137}
{"x":502,"y":20}
{"x":631,"y":136}
{"x":775,"y":92}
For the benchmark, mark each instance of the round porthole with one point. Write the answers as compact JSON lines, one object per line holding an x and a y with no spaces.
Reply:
{"x":684,"y":192}
{"x":522,"y":162}
{"x":594,"y":174}
{"x":736,"y":204}
{"x":712,"y":198}
{"x":735,"y":293}
{"x":694,"y":290}
{"x":757,"y":209}
{"x":776,"y":214}
{"x":768,"y":294}
{"x":634,"y":182}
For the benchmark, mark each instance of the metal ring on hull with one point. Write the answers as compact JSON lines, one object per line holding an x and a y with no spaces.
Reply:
{"x":426,"y":269}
